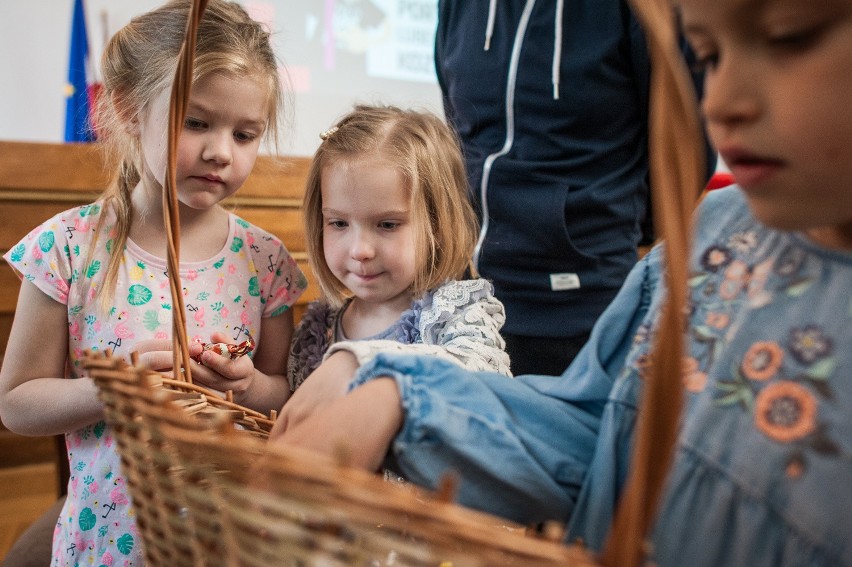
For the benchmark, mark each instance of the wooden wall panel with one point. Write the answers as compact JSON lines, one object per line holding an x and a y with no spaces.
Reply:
{"x":285,"y":223}
{"x":9,"y":285}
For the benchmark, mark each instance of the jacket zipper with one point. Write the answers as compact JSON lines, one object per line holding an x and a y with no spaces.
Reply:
{"x":510,"y":127}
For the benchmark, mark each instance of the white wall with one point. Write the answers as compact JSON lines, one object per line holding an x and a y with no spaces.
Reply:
{"x":381,"y":53}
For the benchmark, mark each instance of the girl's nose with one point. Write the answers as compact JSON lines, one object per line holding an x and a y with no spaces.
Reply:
{"x":217,"y":148}
{"x":362,"y":248}
{"x":731,"y":95}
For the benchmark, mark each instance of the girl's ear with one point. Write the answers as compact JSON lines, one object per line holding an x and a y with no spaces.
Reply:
{"x":126,"y":111}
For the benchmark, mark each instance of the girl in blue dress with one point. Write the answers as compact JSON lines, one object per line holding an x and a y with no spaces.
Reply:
{"x":762,"y":470}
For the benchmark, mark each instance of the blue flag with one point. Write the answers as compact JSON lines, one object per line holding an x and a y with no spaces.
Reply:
{"x":78,"y":126}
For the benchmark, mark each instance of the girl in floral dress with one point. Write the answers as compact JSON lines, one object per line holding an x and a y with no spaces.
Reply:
{"x":95,"y":277}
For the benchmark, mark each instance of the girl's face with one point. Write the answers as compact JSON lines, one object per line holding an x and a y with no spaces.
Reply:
{"x":368,"y":230}
{"x":777,"y":105}
{"x":218,"y":145}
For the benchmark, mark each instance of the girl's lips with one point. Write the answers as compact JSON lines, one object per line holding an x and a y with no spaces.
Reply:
{"x":752,"y":173}
{"x":366,"y":277}
{"x":209,"y":179}
{"x":750,"y":170}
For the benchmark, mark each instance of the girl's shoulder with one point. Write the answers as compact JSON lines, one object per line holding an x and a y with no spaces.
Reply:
{"x":725,"y":225}
{"x":251,"y":233}
{"x":454,"y":297}
{"x":455,"y":294}
{"x":470,"y":289}
{"x":54,"y":254}
{"x":261,"y":245}
{"x":68,"y":230}
{"x":81,"y":219}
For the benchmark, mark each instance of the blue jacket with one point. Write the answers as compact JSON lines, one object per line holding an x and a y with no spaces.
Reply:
{"x":555,"y":141}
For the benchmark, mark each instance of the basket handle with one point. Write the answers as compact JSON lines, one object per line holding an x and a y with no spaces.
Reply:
{"x":171,"y":215}
{"x":677,"y":172}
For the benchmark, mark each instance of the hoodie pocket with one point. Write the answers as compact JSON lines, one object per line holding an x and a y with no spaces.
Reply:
{"x":527,"y":230}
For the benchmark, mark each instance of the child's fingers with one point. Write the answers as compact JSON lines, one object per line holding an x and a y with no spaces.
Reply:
{"x":215,"y":362}
{"x":218,"y":337}
{"x":152,"y":345}
{"x":160,"y":360}
{"x":229,"y":369}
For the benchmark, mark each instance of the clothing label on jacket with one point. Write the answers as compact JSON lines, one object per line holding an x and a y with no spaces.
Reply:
{"x":561,"y":282}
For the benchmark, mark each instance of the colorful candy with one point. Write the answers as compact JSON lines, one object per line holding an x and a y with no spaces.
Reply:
{"x":229,"y":350}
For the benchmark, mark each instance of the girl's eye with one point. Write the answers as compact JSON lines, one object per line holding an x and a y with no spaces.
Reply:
{"x":244,"y":136}
{"x":795,"y":41}
{"x":193,"y":123}
{"x":705,"y":62}
{"x":339,"y":224}
{"x":388,"y":225}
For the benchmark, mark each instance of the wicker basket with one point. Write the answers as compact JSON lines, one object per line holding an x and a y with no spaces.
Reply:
{"x":208,"y":492}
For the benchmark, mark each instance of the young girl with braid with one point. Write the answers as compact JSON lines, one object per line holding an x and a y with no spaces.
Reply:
{"x":94,"y":277}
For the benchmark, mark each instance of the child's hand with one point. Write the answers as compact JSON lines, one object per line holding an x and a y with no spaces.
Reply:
{"x":221,"y":372}
{"x":228,"y":350}
{"x":325,"y":384}
{"x":155,"y":354}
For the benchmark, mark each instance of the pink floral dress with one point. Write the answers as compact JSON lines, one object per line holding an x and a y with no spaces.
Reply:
{"x":250,"y":278}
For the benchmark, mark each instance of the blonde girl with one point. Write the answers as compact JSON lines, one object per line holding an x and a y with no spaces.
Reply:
{"x":94,"y":277}
{"x":390,"y":234}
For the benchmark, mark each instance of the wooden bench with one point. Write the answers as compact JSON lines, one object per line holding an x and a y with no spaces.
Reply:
{"x":39,"y":180}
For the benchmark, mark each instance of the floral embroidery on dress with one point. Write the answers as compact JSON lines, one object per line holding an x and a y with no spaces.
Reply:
{"x":762,"y":361}
{"x":781,"y":383}
{"x":715,"y":258}
{"x":785,"y":411}
{"x":809,"y":345}
{"x":694,"y":379}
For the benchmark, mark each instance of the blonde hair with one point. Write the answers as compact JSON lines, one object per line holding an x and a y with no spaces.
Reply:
{"x":428,"y":155}
{"x":139,"y":61}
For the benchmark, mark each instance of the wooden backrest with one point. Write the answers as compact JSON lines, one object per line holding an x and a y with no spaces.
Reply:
{"x":39,"y":180}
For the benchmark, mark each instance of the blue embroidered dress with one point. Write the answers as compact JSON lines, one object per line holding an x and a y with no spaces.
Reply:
{"x":763,"y":466}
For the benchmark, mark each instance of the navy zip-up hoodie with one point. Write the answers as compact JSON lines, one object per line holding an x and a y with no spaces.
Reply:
{"x":555,"y":139}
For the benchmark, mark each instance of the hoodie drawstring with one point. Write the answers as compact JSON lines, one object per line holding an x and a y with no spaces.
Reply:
{"x":489,"y":27}
{"x":557,"y":48}
{"x":557,"y":40}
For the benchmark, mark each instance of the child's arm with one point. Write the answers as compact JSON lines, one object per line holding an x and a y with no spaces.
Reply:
{"x":328,"y":382}
{"x":521,"y":448}
{"x":366,"y":420}
{"x":35,"y":396}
